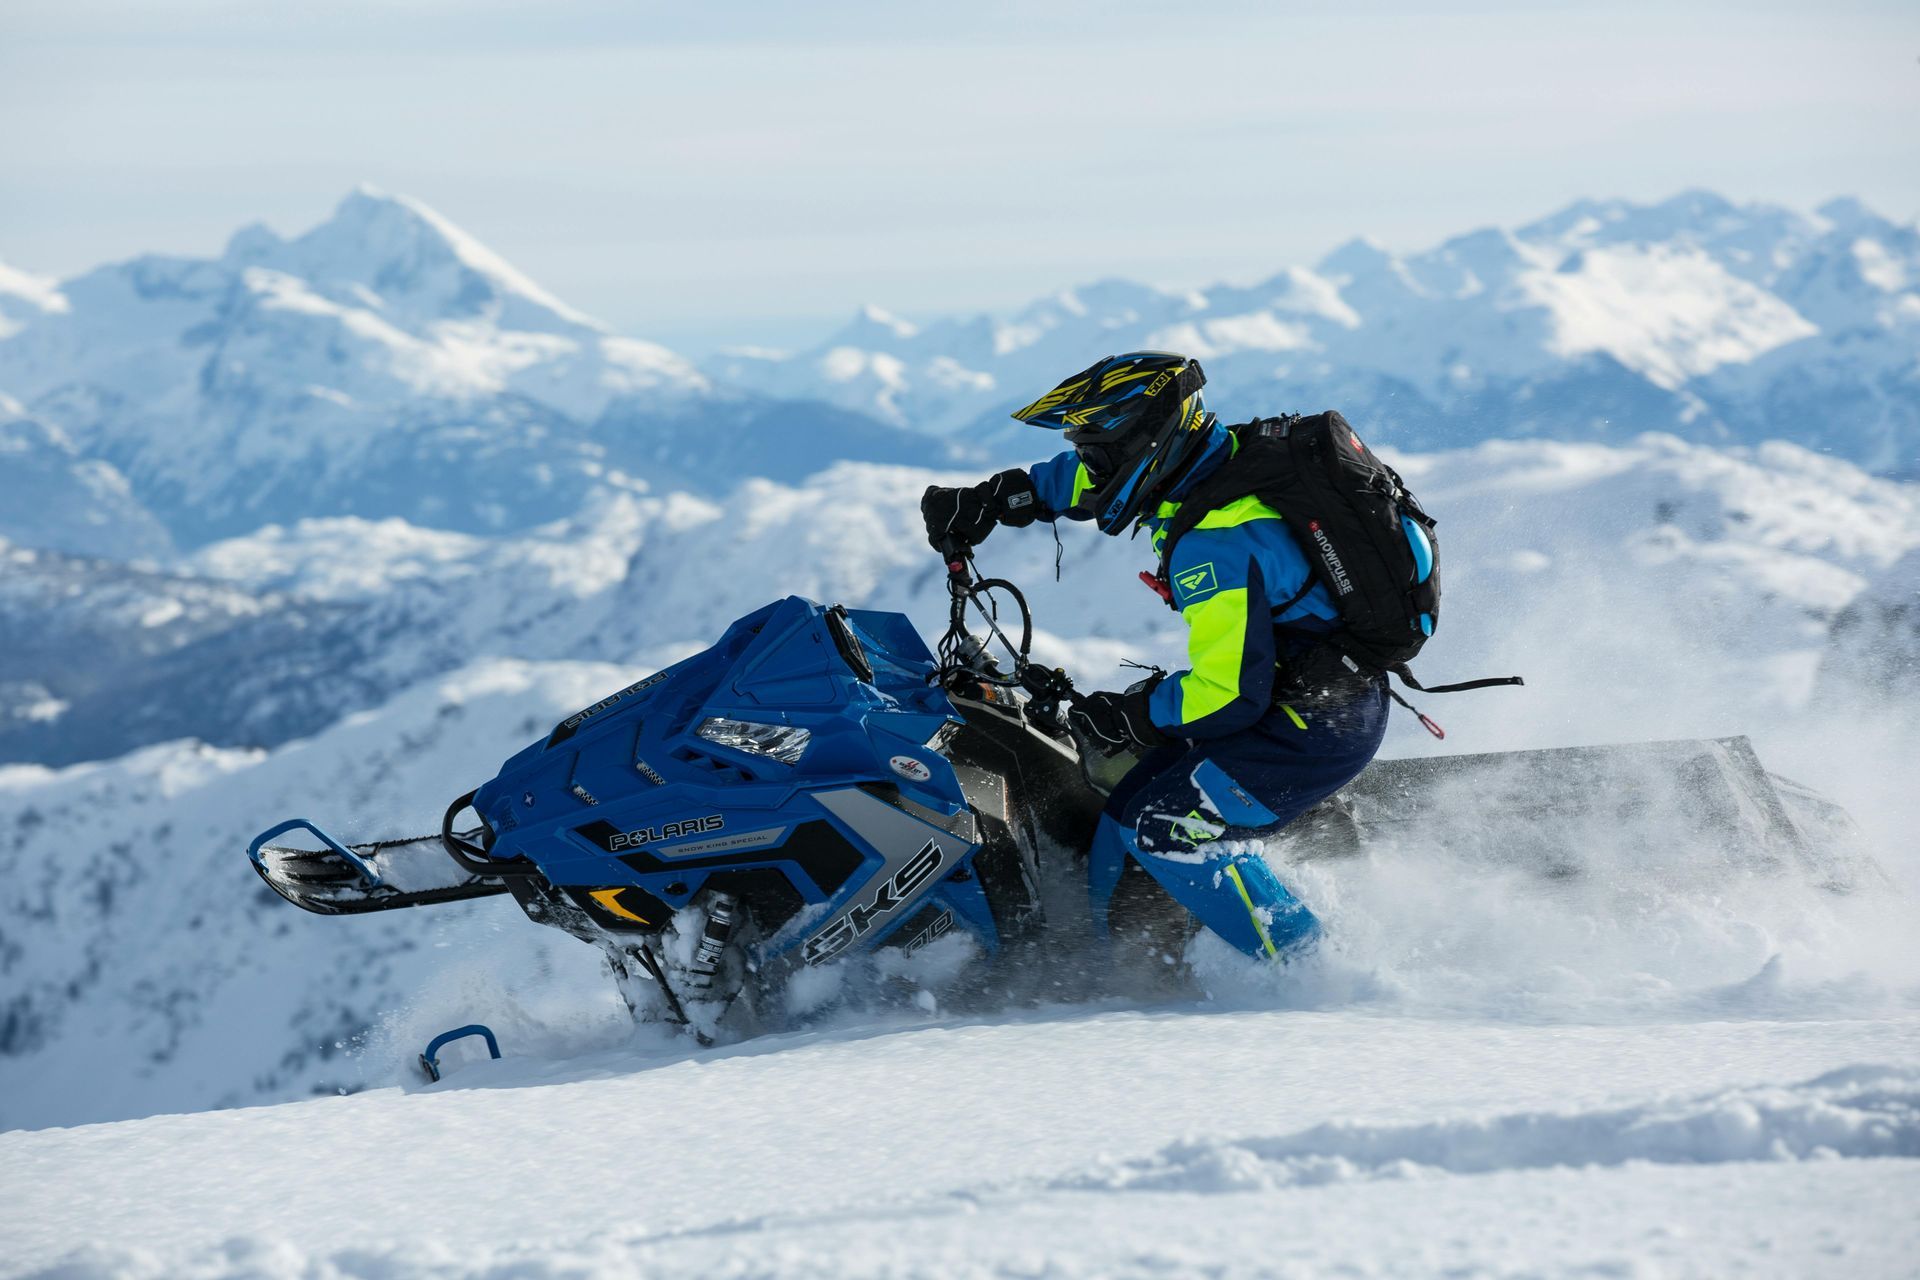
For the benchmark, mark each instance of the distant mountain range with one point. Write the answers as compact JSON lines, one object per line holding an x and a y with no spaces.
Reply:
{"x":241,"y":497}
{"x":384,"y":363}
{"x":1722,"y":323}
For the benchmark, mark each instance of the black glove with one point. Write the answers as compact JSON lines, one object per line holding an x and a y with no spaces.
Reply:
{"x":968,"y":515}
{"x":1116,"y":722}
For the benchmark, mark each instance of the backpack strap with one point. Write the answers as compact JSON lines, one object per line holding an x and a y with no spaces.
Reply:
{"x":1427,"y":722}
{"x":1216,"y":491}
{"x":1406,"y":678}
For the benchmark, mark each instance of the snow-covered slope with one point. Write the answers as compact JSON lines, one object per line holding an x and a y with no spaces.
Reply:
{"x":1873,"y":658}
{"x":1231,"y":1144}
{"x":138,"y":940}
{"x":25,"y":297}
{"x":382,"y":363}
{"x":1694,"y":315}
{"x":277,"y":635}
{"x":1733,"y":562}
{"x":51,"y":497}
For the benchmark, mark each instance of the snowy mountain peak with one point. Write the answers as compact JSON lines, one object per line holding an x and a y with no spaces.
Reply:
{"x":1695,"y":205}
{"x":420,"y":265}
{"x":319,"y":374}
{"x":1358,"y":258}
{"x":1473,"y":263}
{"x":251,"y":244}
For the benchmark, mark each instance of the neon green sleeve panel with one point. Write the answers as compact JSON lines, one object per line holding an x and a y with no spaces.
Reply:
{"x":1216,"y":646}
{"x":1220,"y":587}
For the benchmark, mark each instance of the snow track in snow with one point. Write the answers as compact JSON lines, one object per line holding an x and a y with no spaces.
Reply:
{"x":1856,"y":1112}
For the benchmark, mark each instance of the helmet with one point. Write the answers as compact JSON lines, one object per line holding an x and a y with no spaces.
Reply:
{"x":1136,"y":420}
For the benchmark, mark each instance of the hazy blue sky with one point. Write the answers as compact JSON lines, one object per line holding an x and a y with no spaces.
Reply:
{"x":757,"y":170}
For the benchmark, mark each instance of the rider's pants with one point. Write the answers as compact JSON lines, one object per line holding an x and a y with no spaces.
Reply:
{"x":1173,"y":809}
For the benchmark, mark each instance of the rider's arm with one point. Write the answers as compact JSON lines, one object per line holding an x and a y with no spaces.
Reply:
{"x":1059,"y":482}
{"x":1222,"y":596}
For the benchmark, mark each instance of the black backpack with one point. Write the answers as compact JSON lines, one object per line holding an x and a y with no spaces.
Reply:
{"x":1358,"y":524}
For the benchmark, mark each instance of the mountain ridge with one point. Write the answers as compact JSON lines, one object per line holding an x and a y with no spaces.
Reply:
{"x":1721,"y":322}
{"x":344,"y":369}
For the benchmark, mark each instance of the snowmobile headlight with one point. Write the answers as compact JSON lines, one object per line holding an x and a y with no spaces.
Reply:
{"x":783,"y":742}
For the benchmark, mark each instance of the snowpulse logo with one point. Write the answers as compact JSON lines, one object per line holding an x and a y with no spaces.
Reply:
{"x":1335,"y":570}
{"x":1196,"y":583}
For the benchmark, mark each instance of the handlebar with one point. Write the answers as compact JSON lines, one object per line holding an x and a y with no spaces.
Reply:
{"x":961,"y":653}
{"x":956,"y":554}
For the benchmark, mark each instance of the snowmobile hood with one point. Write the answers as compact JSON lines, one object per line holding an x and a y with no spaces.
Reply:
{"x":795,"y":693}
{"x":748,"y":753}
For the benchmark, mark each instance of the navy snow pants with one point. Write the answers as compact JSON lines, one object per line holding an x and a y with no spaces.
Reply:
{"x":1181,"y":800}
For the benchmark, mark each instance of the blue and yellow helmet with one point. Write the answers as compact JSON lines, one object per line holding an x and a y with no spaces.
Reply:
{"x":1136,"y":421}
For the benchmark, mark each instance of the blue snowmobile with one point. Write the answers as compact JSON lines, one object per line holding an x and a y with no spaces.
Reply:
{"x":816,"y":786}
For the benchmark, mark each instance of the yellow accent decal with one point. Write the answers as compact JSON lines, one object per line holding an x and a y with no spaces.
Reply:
{"x":610,"y":899}
{"x":1052,"y":400}
{"x":1119,"y":376}
{"x":1294,"y":716}
{"x":1236,"y":513}
{"x":1259,"y":925}
{"x":1197,"y":827}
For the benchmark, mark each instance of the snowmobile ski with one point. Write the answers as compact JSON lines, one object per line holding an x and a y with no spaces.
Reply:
{"x":344,"y":879}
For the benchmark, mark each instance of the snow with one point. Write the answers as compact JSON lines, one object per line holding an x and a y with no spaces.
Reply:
{"x":24,"y":293}
{"x":1671,"y":316}
{"x":1103,"y":1143}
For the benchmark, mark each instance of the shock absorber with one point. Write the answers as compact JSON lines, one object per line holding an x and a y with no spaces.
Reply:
{"x":713,"y":941}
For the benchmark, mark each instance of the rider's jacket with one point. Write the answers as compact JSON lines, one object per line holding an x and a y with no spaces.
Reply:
{"x":1236,"y":577}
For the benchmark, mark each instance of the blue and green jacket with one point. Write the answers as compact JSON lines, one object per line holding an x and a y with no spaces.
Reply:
{"x":1232,"y":577}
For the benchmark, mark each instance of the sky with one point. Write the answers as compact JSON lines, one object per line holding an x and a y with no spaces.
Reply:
{"x":754,"y":171}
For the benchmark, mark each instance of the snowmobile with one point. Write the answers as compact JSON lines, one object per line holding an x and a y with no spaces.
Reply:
{"x":815,"y":786}
{"x":818,"y":789}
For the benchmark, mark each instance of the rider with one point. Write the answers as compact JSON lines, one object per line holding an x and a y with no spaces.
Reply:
{"x":1239,"y":744}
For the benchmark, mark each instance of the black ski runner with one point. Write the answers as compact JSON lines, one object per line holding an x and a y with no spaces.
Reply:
{"x":339,"y":880}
